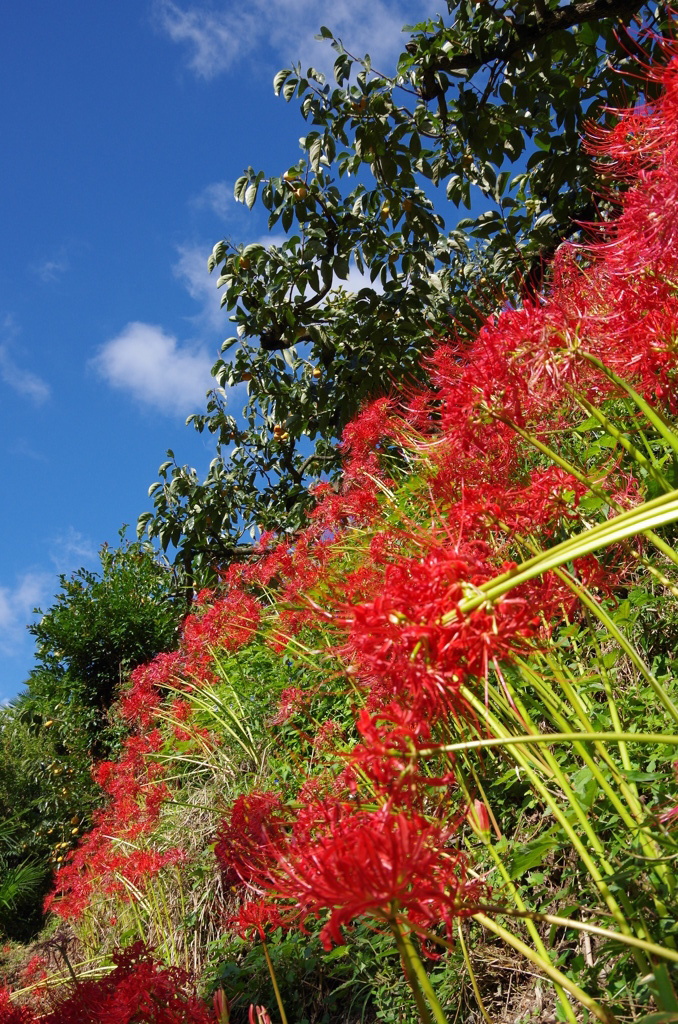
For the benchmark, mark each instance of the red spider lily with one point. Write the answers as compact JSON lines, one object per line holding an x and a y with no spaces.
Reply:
{"x":229,"y":623}
{"x":11,"y":1013}
{"x":114,"y":851}
{"x":256,"y":918}
{"x":390,"y":754}
{"x":258,"y":1015}
{"x":337,"y":860}
{"x":406,"y":648}
{"x":256,"y":821}
{"x":292,"y":701}
{"x":138,"y":991}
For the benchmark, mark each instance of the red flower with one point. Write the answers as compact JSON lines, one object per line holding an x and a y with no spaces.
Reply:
{"x":343,"y":862}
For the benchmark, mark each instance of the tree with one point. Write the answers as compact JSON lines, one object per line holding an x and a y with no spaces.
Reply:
{"x":487,"y":104}
{"x":101,"y":626}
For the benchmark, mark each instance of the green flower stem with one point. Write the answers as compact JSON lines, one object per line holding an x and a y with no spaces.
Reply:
{"x":134,"y":906}
{"x":583,"y":851}
{"x":629,"y":650}
{"x":600,"y":492}
{"x":657,"y":512}
{"x":511,"y":888}
{"x":544,"y":965}
{"x":629,"y":792}
{"x":630,"y":811}
{"x":563,"y":780}
{"x":593,"y":929}
{"x":472,"y":976}
{"x":511,"y":940}
{"x":415,"y":971}
{"x":656,"y":419}
{"x":274,"y":981}
{"x":622,"y":439}
{"x":561,"y":724}
{"x":418,"y":995}
{"x":572,"y":801}
{"x":550,"y":737}
{"x":612,"y":705}
{"x":182,"y":905}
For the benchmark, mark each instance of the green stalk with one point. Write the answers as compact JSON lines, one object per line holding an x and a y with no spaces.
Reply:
{"x":274,"y":981}
{"x":134,"y":905}
{"x":561,"y":723}
{"x":629,"y":792}
{"x":576,"y":841}
{"x":182,"y":902}
{"x":621,"y":438}
{"x":573,"y":803}
{"x":417,"y":994}
{"x":511,"y":940}
{"x":472,"y":976}
{"x":592,"y":929}
{"x":544,"y":965}
{"x":647,"y":843}
{"x":517,"y":899}
{"x":414,"y":970}
{"x":657,"y":512}
{"x":612,"y":705}
{"x":550,"y":737}
{"x":657,"y":541}
{"x":629,"y":650}
{"x":655,"y":418}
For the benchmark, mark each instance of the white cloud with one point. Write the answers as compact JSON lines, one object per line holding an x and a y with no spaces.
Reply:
{"x":213,"y":43}
{"x":16,"y":607}
{"x":155,"y":368}
{"x":218,"y":197}
{"x":219,"y":39}
{"x":71,"y":550}
{"x":191,"y":270}
{"x":50,"y":270}
{"x":357,"y":279}
{"x":22,"y":381}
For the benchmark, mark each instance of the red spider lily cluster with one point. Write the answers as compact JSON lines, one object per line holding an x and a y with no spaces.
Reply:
{"x":376,"y":833}
{"x":113,"y":858}
{"x":137,"y":989}
{"x":338,"y":860}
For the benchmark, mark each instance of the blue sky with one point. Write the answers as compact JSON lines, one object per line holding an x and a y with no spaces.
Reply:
{"x":123,"y":125}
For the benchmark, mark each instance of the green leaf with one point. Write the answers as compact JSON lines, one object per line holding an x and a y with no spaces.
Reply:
{"x":251,"y":194}
{"x":280,"y":80}
{"x":529,"y":856}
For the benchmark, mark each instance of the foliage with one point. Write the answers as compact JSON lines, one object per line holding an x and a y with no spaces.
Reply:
{"x":482,"y":117}
{"x":102,"y":625}
{"x":19,"y":882}
{"x":476,"y":745}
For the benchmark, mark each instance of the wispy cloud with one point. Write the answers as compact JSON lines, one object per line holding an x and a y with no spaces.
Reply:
{"x":211,"y":38}
{"x":72,"y":550}
{"x":51,"y":269}
{"x":22,"y":448}
{"x":218,"y":198}
{"x":191,"y":270}
{"x":16,"y":607}
{"x":155,"y":368}
{"x":22,"y":381}
{"x":218,"y":39}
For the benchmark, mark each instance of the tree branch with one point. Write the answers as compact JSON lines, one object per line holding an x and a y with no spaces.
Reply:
{"x":521,"y":37}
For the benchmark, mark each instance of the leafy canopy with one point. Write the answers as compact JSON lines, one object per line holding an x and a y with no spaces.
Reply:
{"x":444,"y":183}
